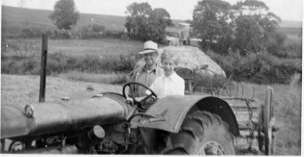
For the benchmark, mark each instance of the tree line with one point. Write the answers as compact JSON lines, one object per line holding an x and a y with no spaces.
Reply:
{"x":245,"y":27}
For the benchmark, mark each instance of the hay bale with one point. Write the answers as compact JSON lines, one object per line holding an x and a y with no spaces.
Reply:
{"x":191,"y":58}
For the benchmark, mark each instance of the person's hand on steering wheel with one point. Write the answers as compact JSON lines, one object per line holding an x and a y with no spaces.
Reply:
{"x":140,"y":101}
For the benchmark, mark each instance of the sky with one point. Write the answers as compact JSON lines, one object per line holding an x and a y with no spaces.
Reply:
{"x":178,"y":9}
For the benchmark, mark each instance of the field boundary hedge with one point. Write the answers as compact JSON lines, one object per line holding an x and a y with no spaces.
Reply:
{"x":61,"y":63}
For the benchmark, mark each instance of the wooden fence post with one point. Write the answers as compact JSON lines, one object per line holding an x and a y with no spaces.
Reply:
{"x":44,"y":48}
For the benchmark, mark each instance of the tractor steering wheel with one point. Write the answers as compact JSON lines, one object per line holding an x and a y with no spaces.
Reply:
{"x":141,"y":102}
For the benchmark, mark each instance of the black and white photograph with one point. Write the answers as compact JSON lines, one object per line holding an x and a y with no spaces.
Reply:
{"x":151,"y":77}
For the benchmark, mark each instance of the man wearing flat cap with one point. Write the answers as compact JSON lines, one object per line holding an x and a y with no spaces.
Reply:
{"x":146,"y":74}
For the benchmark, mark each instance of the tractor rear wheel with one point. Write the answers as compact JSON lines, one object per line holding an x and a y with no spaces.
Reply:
{"x":201,"y":133}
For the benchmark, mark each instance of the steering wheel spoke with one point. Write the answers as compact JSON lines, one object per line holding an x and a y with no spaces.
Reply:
{"x":140,"y":103}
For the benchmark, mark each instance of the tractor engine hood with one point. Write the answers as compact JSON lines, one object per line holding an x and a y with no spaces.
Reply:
{"x":42,"y":118}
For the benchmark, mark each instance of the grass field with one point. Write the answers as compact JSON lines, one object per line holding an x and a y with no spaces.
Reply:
{"x":100,"y":47}
{"x":21,"y":90}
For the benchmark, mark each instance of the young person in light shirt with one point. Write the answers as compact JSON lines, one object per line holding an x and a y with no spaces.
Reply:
{"x":169,"y":83}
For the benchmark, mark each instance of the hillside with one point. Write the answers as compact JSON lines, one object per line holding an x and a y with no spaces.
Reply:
{"x":14,"y":18}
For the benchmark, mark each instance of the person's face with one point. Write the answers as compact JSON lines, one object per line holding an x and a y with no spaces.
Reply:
{"x":168,"y":66}
{"x":150,"y":58}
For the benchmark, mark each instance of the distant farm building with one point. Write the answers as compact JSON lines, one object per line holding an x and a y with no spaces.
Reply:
{"x":179,"y":34}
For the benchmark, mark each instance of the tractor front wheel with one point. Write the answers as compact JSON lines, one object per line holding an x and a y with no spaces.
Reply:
{"x":202,"y":133}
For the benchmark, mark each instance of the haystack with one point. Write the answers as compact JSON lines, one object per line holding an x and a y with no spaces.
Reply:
{"x":193,"y":59}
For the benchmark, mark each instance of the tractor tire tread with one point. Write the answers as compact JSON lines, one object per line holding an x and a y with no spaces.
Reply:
{"x":192,"y":128}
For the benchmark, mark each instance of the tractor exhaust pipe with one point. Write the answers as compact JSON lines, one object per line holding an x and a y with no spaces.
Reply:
{"x":44,"y":48}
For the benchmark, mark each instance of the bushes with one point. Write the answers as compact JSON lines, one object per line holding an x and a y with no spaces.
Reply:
{"x":293,"y":50}
{"x":56,"y":63}
{"x":36,"y":32}
{"x":20,"y":65}
{"x":259,"y":68}
{"x":31,"y":32}
{"x":90,"y":63}
{"x":91,"y":31}
{"x":290,"y":48}
{"x":59,"y":63}
{"x":59,"y":34}
{"x":115,"y":34}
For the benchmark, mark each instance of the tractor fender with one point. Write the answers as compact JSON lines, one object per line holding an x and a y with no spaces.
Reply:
{"x":169,"y":112}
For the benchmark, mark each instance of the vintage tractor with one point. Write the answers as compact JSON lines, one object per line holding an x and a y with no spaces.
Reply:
{"x":116,"y":123}
{"x":119,"y":123}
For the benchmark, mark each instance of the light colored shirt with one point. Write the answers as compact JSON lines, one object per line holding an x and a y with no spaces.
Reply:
{"x":168,"y":85}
